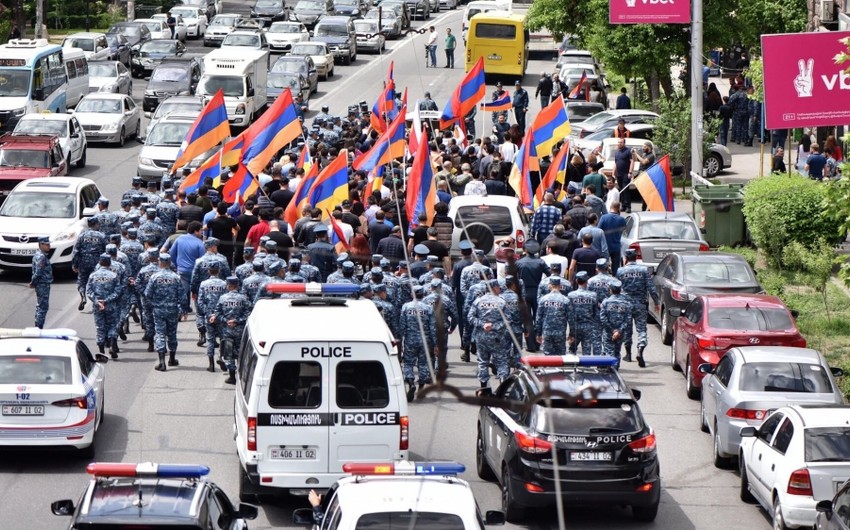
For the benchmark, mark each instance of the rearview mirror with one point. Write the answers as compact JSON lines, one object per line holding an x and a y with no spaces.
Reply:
{"x":747,"y":432}
{"x":836,"y":371}
{"x":248,"y":511}
{"x":637,"y":394}
{"x":89,"y":212}
{"x":101,"y":358}
{"x":148,"y":115}
{"x":705,"y":368}
{"x":63,"y":507}
{"x":303,"y":517}
{"x":494,"y":518}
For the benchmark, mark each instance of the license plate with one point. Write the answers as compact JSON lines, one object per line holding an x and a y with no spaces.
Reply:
{"x":661,"y":254}
{"x":22,"y":251}
{"x":591,"y":456}
{"x":23,"y":410}
{"x":293,"y":453}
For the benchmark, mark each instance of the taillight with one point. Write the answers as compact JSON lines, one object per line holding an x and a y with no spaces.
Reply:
{"x":636,"y":247}
{"x":252,"y":434}
{"x":404,"y":435}
{"x":532,"y":444}
{"x":80,"y":402}
{"x":747,"y":414}
{"x":799,"y":343}
{"x":707,"y":344}
{"x":643,"y":445}
{"x":800,"y":483}
{"x":520,"y":238}
{"x":703,"y":247}
{"x":680,"y":295}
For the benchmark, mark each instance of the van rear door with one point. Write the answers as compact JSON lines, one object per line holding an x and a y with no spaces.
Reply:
{"x":366,"y":410}
{"x":293,"y":415}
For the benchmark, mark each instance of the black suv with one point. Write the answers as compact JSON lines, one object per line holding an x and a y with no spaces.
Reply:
{"x":268,"y":11}
{"x":339,"y":33}
{"x":153,"y":496}
{"x":603,"y":448}
{"x":172,"y":77}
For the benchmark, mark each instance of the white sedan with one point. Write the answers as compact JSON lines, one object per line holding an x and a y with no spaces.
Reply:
{"x":51,"y":390}
{"x":110,"y":76}
{"x":180,"y":29}
{"x":319,"y":52}
{"x":195,"y":19}
{"x":72,"y":139}
{"x":158,"y":27}
{"x":282,"y":35}
{"x":108,"y":117}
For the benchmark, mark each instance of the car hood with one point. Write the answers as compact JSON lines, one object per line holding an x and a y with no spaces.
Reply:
{"x":219,"y":30}
{"x":160,"y":152}
{"x":273,"y":92}
{"x":38,"y":227}
{"x":23,"y":173}
{"x":155,"y":55}
{"x":9,"y":103}
{"x":97,"y":118}
{"x":98,"y":82}
{"x":347,"y":10}
{"x":309,"y":13}
{"x":267,"y":10}
{"x":169,"y":86}
{"x":331,"y":40}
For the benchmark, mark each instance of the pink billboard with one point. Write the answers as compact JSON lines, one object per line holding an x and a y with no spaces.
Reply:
{"x":649,"y":12}
{"x":803,"y":87}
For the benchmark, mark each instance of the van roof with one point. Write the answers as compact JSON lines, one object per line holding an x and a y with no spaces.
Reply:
{"x":277,"y":320}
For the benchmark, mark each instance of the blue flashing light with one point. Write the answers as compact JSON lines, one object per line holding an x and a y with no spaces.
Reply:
{"x":543,"y":361}
{"x":182,"y":471}
{"x":313,"y":288}
{"x":439,"y":468}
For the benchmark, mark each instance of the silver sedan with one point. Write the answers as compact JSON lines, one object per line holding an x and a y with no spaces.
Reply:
{"x":110,"y":76}
{"x":110,"y":118}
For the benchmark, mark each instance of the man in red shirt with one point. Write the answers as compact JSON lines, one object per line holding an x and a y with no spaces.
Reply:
{"x":259,"y":230}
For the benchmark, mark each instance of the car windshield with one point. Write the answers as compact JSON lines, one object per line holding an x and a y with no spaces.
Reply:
{"x":724,"y":272}
{"x":114,"y":40}
{"x":125,"y":30}
{"x":251,"y":41}
{"x":614,"y":415}
{"x":231,"y":86}
{"x":365,"y":27}
{"x":283,"y":27}
{"x":103,"y":70}
{"x":409,"y":520}
{"x":51,"y":127}
{"x":168,"y":133}
{"x":39,"y":205}
{"x":185,"y":107}
{"x":308,"y":49}
{"x":184,"y":12}
{"x":346,"y":2}
{"x":268,"y":3}
{"x":596,"y":120}
{"x":14,"y":83}
{"x":281,"y":81}
{"x":750,"y":318}
{"x":290,"y":66}
{"x":87,"y":45}
{"x":667,"y":229}
{"x":498,"y":218}
{"x":784,"y":377}
{"x":153,"y":26}
{"x":310,"y":4}
{"x":332,"y":30}
{"x":827,"y":444}
{"x":106,"y":106}
{"x":35,"y":370}
{"x":597,"y":136}
{"x":170,"y":74}
{"x":583,"y":112}
{"x":224,"y":21}
{"x":159,"y":46}
{"x":23,"y":158}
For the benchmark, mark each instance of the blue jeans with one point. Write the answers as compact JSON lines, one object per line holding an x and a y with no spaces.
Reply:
{"x":185,"y":283}
{"x":723,"y":136}
{"x":432,"y":51}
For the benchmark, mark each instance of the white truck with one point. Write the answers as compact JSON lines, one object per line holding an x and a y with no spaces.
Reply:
{"x":241,"y":74}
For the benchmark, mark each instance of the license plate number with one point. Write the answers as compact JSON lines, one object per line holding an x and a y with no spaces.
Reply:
{"x":23,"y":251}
{"x":293,"y":453}
{"x":661,"y":254}
{"x":591,"y":456}
{"x":23,"y":410}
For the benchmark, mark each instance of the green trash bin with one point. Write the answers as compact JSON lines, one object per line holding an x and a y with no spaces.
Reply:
{"x":718,"y":211}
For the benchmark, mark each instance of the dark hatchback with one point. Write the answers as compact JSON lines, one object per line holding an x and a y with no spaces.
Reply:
{"x":268,"y":11}
{"x":148,"y":55}
{"x":172,"y":77}
{"x":682,"y":276}
{"x":600,"y":445}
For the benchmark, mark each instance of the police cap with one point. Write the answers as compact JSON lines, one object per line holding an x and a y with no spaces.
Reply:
{"x":554,"y":280}
{"x":297,"y":255}
{"x":263,"y":240}
{"x":274,"y":268}
{"x":214,"y":266}
{"x":433,"y":259}
{"x":376,"y":271}
{"x":418,"y":290}
{"x":319,"y":228}
{"x":581,"y":276}
{"x":421,"y":250}
{"x":555,"y":267}
{"x":153,"y":253}
{"x":365,"y":288}
{"x":510,"y":279}
{"x":348,"y":266}
{"x":126,"y":202}
{"x":150,"y":212}
{"x":211,"y":242}
{"x":137,"y":180}
{"x":602,"y":264}
{"x":132,"y":231}
{"x":385,"y":263}
{"x":532,"y":247}
{"x":111,"y":249}
{"x":465,"y":246}
{"x":294,"y":262}
{"x":479,"y":252}
{"x":258,"y":265}
{"x":136,"y":198}
{"x":44,"y":240}
{"x":630,"y":253}
{"x":115,"y":237}
{"x":271,"y":246}
{"x":402,"y":264}
{"x":493,"y":284}
{"x":103,"y":200}
{"x":376,"y":258}
{"x":435,"y":283}
{"x":105,"y":258}
{"x":248,"y":251}
{"x":342,"y":258}
{"x":165,"y":258}
{"x":232,"y":280}
{"x":438,"y":271}
{"x":381,"y":288}
{"x":169,"y":191}
{"x":616,"y":285}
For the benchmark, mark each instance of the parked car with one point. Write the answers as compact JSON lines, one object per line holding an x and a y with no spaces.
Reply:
{"x":268,"y":11}
{"x":568,"y":70}
{"x":399,"y":7}
{"x":597,"y":86}
{"x":682,"y":276}
{"x":655,"y":235}
{"x":277,"y":82}
{"x":834,"y":514}
{"x":338,"y":32}
{"x":322,"y":57}
{"x":350,"y":8}
{"x":369,"y":37}
{"x":186,"y":105}
{"x":420,"y":9}
{"x":28,"y":157}
{"x":172,"y":77}
{"x":795,"y":461}
{"x":609,"y":118}
{"x":72,"y":139}
{"x":159,"y":28}
{"x":579,"y":111}
{"x":299,"y":65}
{"x":147,"y":56}
{"x":448,"y":4}
{"x":486,"y":221}
{"x":245,"y":39}
{"x":391,"y":24}
{"x":94,"y":45}
{"x":110,"y":76}
{"x":119,"y":48}
{"x":180,"y":30}
{"x":136,"y":32}
{"x":711,"y":324}
{"x":108,"y":117}
{"x":194,"y":17}
{"x":282,"y":35}
{"x":220,"y":27}
{"x":308,"y":12}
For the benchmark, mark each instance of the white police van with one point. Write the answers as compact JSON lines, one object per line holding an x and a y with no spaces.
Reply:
{"x":319,"y":385}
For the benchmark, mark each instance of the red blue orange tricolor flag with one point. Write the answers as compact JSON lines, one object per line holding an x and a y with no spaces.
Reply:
{"x":525,"y":162}
{"x":421,"y":191}
{"x":656,"y":186}
{"x":210,"y":129}
{"x":277,"y":127}
{"x":467,"y":94}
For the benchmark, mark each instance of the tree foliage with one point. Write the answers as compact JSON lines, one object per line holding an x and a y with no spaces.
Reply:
{"x":672,"y":132}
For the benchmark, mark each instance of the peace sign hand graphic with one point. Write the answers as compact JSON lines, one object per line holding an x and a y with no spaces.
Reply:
{"x":803,"y":82}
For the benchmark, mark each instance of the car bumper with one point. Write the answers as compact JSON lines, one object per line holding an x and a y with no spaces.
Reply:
{"x":282,"y":47}
{"x":214,"y":40}
{"x":372,"y":46}
{"x":240,"y":120}
{"x":339,"y":53}
{"x":150,"y":173}
{"x":798,"y":511}
{"x":78,"y":435}
{"x":323,"y":69}
{"x":19,"y":255}
{"x":103,"y":136}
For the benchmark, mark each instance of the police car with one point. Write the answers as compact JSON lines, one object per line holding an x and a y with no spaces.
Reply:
{"x":603,"y":449}
{"x":322,"y":390}
{"x":400,"y":495}
{"x":167,"y":496}
{"x":51,"y":390}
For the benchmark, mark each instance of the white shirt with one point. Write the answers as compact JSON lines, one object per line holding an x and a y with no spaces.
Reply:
{"x":432,"y":38}
{"x":347,"y":230}
{"x":293,"y":183}
{"x":612,"y":197}
{"x":551,"y":259}
{"x":508,"y":150}
{"x":475,"y":187}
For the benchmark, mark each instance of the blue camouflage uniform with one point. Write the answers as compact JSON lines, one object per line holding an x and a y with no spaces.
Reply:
{"x":87,"y":250}
{"x":166,"y":211}
{"x":200,"y":272}
{"x":445,"y":314}
{"x":231,"y":312}
{"x":123,"y":286}
{"x":416,"y":347}
{"x":387,"y":309}
{"x":245,"y":269}
{"x":208,"y":294}
{"x":151,"y":230}
{"x":163,"y":292}
{"x":514,"y":316}
{"x":637,"y":283}
{"x":475,"y":292}
{"x":142,"y":279}
{"x":584,"y":318}
{"x":492,"y":345}
{"x":543,"y":289}
{"x":403,"y":292}
{"x":601,"y":281}
{"x":109,"y":223}
{"x":336,"y":275}
{"x":42,"y":278}
{"x":253,"y":284}
{"x":554,"y":312}
{"x":616,"y":315}
{"x":103,"y":287}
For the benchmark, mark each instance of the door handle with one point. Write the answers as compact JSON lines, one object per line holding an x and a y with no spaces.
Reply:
{"x":336,"y":418}
{"x":772,"y":467}
{"x":716,"y":392}
{"x":759,"y":457}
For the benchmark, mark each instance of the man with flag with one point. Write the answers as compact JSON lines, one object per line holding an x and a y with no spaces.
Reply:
{"x":500,"y":103}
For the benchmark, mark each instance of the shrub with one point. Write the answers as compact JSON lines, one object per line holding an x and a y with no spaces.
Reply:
{"x":749,"y":254}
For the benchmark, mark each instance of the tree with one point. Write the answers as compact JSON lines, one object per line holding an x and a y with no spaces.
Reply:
{"x":672,"y":132}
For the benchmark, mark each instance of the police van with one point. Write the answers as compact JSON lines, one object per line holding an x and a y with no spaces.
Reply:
{"x":320,"y":385}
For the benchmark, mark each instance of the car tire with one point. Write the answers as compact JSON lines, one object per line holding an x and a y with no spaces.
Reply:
{"x":703,"y":426}
{"x":138,"y":130}
{"x":712,"y":165}
{"x":122,"y":137}
{"x":666,"y":331}
{"x":81,"y":163}
{"x":513,"y":512}
{"x":485,"y":472}
{"x":745,"y":493}
{"x":673,"y":364}
{"x":720,"y":461}
{"x":691,"y":389}
{"x":778,"y":519}
{"x":88,"y":453}
{"x":645,"y":514}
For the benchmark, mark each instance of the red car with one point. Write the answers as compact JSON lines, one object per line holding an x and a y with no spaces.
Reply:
{"x":711,"y":324}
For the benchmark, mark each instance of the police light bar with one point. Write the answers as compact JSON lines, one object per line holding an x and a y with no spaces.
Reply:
{"x":147,"y":470}
{"x":56,"y":333}
{"x":404,"y":468}
{"x":313,"y":288}
{"x":543,"y":361}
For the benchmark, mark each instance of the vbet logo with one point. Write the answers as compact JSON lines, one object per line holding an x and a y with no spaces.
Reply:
{"x":649,"y":11}
{"x":633,"y":3}
{"x":802,"y":89}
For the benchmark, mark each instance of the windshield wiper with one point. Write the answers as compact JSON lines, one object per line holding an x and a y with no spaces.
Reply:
{"x":598,"y":430}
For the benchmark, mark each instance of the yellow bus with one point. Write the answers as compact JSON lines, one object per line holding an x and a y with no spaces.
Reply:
{"x":502,"y":39}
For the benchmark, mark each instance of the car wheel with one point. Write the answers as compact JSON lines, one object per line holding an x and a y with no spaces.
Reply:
{"x":778,"y":520}
{"x":712,"y":165}
{"x":645,"y":514}
{"x":513,"y":512}
{"x":666,"y":332}
{"x":720,"y":461}
{"x":138,"y":130}
{"x":122,"y":137}
{"x":81,"y":163}
{"x":673,"y":364}
{"x":68,"y":164}
{"x":690,"y":386}
{"x":703,"y":426}
{"x":746,"y":495}
{"x":88,"y":453}
{"x":245,"y":494}
{"x":485,"y":472}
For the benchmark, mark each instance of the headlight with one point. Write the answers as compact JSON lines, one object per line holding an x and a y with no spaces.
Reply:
{"x":145,"y":161}
{"x":185,"y":93}
{"x":66,"y":235}
{"x":240,"y":109}
{"x":20,"y":112}
{"x":109,"y":127}
{"x":109,"y":87}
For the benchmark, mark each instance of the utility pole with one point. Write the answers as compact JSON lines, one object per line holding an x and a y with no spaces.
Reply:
{"x":696,"y":88}
{"x":39,"y":18}
{"x":131,"y":10}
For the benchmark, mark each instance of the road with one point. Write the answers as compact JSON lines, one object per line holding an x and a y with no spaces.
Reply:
{"x":185,"y":415}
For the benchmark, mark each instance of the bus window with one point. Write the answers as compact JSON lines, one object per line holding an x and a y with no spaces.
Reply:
{"x":38,"y":82}
{"x":495,"y":31}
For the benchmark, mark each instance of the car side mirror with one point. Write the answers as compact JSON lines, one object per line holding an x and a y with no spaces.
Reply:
{"x":824,"y":507}
{"x":705,"y":368}
{"x":148,"y":115}
{"x":795,"y":313}
{"x":248,"y":511}
{"x":494,"y":518}
{"x":637,"y":394}
{"x":140,"y":139}
{"x":70,"y":111}
{"x":302,"y":517}
{"x":38,"y":94}
{"x":748,"y":432}
{"x":75,"y":135}
{"x":101,"y":358}
{"x":251,"y":91}
{"x":836,"y":371}
{"x":63,"y":507}
{"x":89,"y":212}
{"x":676,"y":312}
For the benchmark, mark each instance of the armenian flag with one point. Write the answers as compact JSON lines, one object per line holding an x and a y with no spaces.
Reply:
{"x":210,"y":129}
{"x":503,"y":102}
{"x":556,"y":173}
{"x":338,"y":236}
{"x":388,"y":146}
{"x":421,"y":190}
{"x":574,"y":93}
{"x":467,"y":94}
{"x":383,"y":106}
{"x":232,"y":150}
{"x":525,"y":162}
{"x":277,"y":127}
{"x":311,"y":172}
{"x":210,"y":168}
{"x":656,"y":186}
{"x":331,"y":186}
{"x":242,"y":184}
{"x":551,"y":125}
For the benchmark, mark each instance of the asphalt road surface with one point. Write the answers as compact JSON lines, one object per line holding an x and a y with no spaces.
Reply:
{"x":185,"y":415}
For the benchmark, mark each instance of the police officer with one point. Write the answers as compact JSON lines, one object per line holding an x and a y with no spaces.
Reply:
{"x":476,"y":291}
{"x":491,"y":335}
{"x":616,"y":317}
{"x":200,"y":272}
{"x":336,"y":275}
{"x":163,"y":291}
{"x":309,"y":271}
{"x":390,"y":279}
{"x":102,"y":290}
{"x":152,"y":197}
{"x":255,"y":282}
{"x":134,"y":250}
{"x":543,"y":289}
{"x":416,"y":317}
{"x":465,"y":261}
{"x":419,"y":265}
{"x":208,"y":294}
{"x":142,"y":279}
{"x":166,"y":211}
{"x":42,"y":277}
{"x":87,"y":250}
{"x":323,"y":116}
{"x":271,"y":254}
{"x":348,"y":273}
{"x":514,"y":316}
{"x":150,"y":230}
{"x":445,"y":315}
{"x":322,"y":252}
{"x":602,"y":280}
{"x":108,"y":220}
{"x":124,"y":211}
{"x":431,"y":262}
{"x":229,"y":316}
{"x":387,"y":310}
{"x":122,"y":302}
{"x":247,"y":267}
{"x":135,"y":189}
{"x":553,"y":317}
{"x":530,"y":270}
{"x":584,"y":318}
{"x":637,"y":283}
{"x":404,"y":292}
{"x":293,"y":273}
